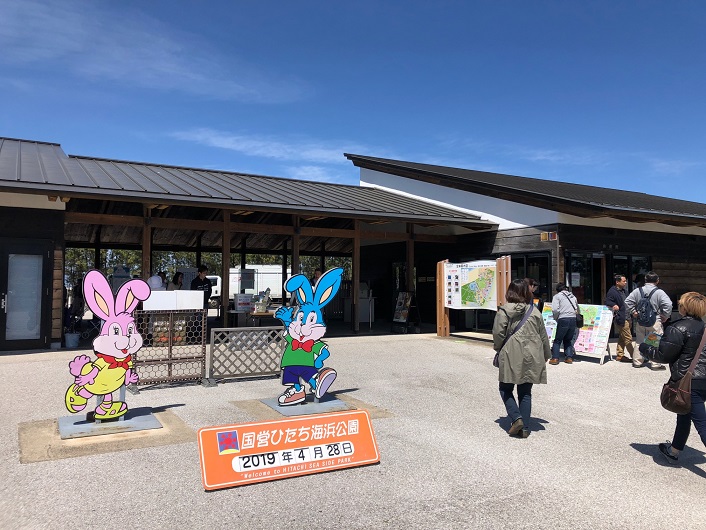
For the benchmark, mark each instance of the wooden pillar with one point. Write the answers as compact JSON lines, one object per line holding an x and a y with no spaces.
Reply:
{"x":97,"y":250}
{"x":322,"y":260}
{"x":146,"y":242}
{"x":355,"y":294}
{"x":243,"y":257}
{"x":225,"y":259}
{"x":285,"y":258}
{"x":442,"y":312}
{"x":198,"y":250}
{"x":410,"y":259}
{"x":295,"y":245}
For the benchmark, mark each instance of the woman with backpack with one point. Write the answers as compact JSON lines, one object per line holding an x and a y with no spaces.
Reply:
{"x":678,"y":347}
{"x":520,"y":340}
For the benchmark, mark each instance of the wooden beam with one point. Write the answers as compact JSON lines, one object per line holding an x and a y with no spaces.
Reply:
{"x":442,"y":312}
{"x":225,"y":274}
{"x":355,"y":295}
{"x":146,"y":243}
{"x":295,"y":245}
{"x":410,"y":260}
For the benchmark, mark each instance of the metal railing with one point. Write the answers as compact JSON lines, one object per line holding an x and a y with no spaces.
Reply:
{"x":246,"y":352}
{"x":174,"y":346}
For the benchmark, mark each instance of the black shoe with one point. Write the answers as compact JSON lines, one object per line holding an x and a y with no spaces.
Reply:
{"x":666,"y":450}
{"x":525,"y":433}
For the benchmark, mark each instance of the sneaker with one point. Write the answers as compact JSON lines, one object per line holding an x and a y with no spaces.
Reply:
{"x":324,"y":381}
{"x":666,"y":450}
{"x":569,"y":360}
{"x":553,"y":361}
{"x":291,"y":397}
{"x":516,"y":427}
{"x":638,"y":365}
{"x":656,"y":366}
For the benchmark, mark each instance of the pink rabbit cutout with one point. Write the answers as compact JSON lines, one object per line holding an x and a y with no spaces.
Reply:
{"x":114,"y":347}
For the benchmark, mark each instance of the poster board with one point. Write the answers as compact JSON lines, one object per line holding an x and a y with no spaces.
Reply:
{"x":404,"y":300}
{"x":471,"y":285}
{"x":593,"y":336}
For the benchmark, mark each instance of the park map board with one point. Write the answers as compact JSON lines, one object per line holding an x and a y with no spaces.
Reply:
{"x":471,"y":285}
{"x":593,"y":336}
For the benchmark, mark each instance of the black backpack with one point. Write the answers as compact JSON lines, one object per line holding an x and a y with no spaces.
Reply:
{"x":646,"y":314}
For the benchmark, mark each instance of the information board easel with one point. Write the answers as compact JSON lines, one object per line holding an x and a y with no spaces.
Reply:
{"x":406,"y":313}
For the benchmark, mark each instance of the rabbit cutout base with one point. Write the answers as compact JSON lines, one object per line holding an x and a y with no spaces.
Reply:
{"x":304,"y":355}
{"x":113,"y":348}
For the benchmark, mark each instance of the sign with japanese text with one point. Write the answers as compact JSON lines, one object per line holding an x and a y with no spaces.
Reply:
{"x":235,"y":455}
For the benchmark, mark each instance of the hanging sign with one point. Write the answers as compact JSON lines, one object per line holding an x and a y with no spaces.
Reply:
{"x":235,"y":455}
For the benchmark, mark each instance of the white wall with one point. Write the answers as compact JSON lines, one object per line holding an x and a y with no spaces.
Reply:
{"x":506,"y":214}
{"x":21,"y":200}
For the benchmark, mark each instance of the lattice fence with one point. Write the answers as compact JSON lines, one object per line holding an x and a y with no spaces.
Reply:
{"x":246,"y":352}
{"x":174,"y":346}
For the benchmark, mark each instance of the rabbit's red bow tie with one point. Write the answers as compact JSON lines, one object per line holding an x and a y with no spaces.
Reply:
{"x":307,"y":345}
{"x":115,"y":363}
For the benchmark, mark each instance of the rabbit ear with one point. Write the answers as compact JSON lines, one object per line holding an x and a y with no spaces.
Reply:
{"x":300,"y":286}
{"x":327,"y":286}
{"x":97,"y":294}
{"x":130,"y":294}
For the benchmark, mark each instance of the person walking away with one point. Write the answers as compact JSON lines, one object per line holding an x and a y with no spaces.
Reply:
{"x":661,"y":305}
{"x":678,"y":347}
{"x":564,"y":309}
{"x":201,"y":283}
{"x":520,"y":338}
{"x":615,"y":300}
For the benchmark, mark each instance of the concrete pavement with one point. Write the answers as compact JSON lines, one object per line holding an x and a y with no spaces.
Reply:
{"x":446,"y":461}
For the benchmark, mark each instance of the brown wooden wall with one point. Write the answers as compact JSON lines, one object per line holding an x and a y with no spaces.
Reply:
{"x":57,"y":306}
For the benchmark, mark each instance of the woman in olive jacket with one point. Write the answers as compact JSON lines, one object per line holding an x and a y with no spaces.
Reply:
{"x":677,"y":347}
{"x":522,"y":358}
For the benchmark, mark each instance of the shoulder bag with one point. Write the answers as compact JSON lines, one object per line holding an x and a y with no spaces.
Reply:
{"x":676,"y":395}
{"x":579,"y":316}
{"x":496,"y":359}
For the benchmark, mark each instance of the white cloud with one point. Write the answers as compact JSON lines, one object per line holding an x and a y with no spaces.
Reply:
{"x":315,"y":173}
{"x":290,"y":149}
{"x":108,"y":41}
{"x":672,"y":167}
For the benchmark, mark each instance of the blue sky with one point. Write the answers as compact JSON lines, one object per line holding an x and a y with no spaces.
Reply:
{"x":608,"y":93}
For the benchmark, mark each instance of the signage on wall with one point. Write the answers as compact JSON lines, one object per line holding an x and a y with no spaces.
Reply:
{"x":235,"y":455}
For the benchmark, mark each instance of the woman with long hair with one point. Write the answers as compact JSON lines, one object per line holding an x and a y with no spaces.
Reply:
{"x":177,"y":281}
{"x":678,"y":347}
{"x":520,"y":338}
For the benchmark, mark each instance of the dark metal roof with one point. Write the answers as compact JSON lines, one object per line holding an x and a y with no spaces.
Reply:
{"x":577,"y":199}
{"x":37,"y":167}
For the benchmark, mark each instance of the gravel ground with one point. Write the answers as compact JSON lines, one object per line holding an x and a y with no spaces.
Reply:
{"x":590,"y":462}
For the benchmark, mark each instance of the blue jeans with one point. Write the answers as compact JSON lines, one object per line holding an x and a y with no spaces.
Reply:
{"x":565,"y":331}
{"x":524,"y":396}
{"x":698,"y":416}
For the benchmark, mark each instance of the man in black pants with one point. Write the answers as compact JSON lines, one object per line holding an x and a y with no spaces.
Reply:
{"x":201,"y":283}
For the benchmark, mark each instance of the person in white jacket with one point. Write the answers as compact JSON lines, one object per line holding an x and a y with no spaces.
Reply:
{"x":564,"y":308}
{"x":662,"y":305}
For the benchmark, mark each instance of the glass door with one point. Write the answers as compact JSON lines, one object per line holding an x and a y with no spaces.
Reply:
{"x":24,"y":297}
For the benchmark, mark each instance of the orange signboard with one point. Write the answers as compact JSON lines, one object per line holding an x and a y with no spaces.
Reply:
{"x":239,"y":454}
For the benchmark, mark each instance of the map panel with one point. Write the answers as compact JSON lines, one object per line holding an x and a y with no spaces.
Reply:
{"x":471,"y":285}
{"x":593,"y":336}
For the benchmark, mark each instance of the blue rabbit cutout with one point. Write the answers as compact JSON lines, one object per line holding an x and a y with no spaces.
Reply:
{"x":305,"y":353}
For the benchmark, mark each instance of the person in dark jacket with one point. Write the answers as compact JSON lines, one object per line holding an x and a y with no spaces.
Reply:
{"x":534,"y":287}
{"x":615,"y":299}
{"x":678,"y":346}
{"x":522,"y":357}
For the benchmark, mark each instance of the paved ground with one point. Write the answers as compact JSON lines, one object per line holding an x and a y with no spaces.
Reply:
{"x":446,"y":462}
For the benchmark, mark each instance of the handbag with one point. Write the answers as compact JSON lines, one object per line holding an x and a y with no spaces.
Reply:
{"x":579,"y":316}
{"x":676,"y":395}
{"x":496,"y":359}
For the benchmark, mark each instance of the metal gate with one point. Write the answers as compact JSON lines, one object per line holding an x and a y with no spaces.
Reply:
{"x":246,"y":352}
{"x":174,"y":346}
